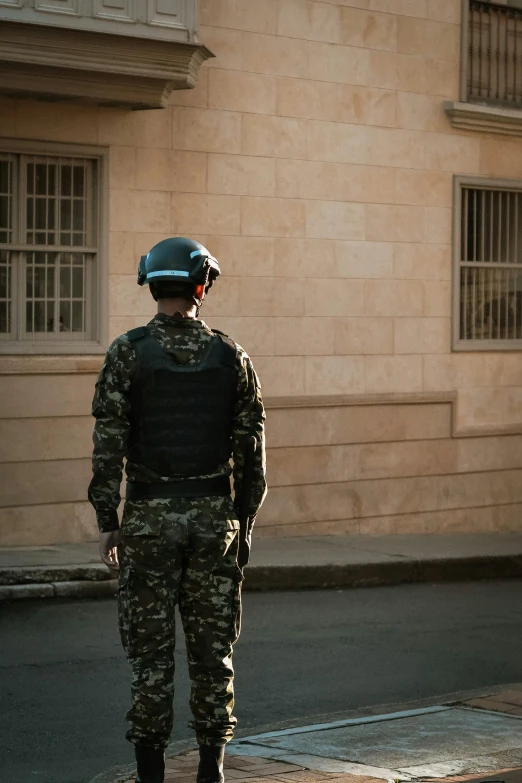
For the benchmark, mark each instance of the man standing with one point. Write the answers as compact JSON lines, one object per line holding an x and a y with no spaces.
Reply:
{"x":177,"y":400}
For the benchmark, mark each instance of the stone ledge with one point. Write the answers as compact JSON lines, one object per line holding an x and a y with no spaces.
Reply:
{"x":50,"y":63}
{"x":484,"y":118}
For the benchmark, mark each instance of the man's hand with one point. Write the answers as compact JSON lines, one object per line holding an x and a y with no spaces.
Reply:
{"x":108,"y":549}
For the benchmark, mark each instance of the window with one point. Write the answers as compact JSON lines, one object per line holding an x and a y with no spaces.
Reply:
{"x":488,"y":268}
{"x":49,"y":252}
{"x":493,"y":40}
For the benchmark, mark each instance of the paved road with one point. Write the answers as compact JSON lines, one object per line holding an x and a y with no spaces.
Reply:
{"x":64,"y":681}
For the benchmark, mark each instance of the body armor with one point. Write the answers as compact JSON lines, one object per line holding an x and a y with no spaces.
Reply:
{"x":182,"y":415}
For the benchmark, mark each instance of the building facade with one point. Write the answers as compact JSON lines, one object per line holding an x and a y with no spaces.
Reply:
{"x":355,"y":166}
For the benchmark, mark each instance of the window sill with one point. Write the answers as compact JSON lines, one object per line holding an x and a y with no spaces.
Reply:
{"x":484,"y":118}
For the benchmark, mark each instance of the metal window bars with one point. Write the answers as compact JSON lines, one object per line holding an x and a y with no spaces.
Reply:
{"x":494,"y":68}
{"x":490,"y":265}
{"x":48,"y":247}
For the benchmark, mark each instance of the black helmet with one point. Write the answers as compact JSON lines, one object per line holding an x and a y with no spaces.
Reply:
{"x":179,"y":260}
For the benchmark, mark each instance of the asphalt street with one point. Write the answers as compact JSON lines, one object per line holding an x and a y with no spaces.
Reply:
{"x":64,"y":679}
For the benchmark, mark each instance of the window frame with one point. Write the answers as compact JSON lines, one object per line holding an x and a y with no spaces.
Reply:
{"x":458,"y":344}
{"x":98,"y":307}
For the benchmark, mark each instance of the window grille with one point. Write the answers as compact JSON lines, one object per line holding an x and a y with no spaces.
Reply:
{"x":488,"y":280}
{"x":48,"y":248}
{"x":494,"y":58}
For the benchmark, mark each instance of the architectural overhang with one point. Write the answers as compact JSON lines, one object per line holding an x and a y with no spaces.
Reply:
{"x":484,"y":118}
{"x":49,"y":63}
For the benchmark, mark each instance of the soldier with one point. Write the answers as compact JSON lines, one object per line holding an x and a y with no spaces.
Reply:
{"x":177,"y":400}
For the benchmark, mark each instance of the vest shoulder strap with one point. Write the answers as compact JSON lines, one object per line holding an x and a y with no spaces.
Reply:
{"x":137,"y":334}
{"x":228,"y":346}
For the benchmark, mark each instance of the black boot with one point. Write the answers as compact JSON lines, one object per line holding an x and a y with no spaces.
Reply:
{"x":210,"y":768}
{"x":151,"y":764}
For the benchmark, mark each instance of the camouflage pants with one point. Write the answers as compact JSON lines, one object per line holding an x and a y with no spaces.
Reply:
{"x":180,"y":551}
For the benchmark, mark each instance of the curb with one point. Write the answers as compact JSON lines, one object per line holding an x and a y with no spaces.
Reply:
{"x":94,"y":581}
{"x":120,"y":773}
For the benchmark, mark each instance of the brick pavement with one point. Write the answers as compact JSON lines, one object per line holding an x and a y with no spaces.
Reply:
{"x":249,"y":769}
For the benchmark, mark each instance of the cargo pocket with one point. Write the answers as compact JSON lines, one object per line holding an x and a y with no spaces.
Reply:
{"x":228,"y":531}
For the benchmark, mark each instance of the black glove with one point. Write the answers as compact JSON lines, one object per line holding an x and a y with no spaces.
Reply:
{"x":245,"y":540}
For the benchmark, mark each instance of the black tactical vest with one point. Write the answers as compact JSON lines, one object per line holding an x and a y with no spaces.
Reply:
{"x":181,"y":415}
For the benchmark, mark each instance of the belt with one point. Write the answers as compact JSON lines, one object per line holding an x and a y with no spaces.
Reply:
{"x":186,"y":488}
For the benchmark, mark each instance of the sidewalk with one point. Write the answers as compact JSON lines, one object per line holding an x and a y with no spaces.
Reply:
{"x":74,"y":570}
{"x":471,"y":740}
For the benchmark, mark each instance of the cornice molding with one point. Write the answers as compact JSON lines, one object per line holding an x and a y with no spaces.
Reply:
{"x":53,"y":63}
{"x":484,"y":118}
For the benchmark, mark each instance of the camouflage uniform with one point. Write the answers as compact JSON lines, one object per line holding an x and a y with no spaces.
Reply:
{"x":175,"y":550}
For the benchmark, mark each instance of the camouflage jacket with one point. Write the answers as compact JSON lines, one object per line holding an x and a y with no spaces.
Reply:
{"x":186,"y":341}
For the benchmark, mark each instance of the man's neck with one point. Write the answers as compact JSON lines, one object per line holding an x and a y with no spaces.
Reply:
{"x":180,"y":308}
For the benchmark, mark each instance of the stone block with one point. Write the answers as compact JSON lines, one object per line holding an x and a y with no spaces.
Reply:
{"x":399,"y":297}
{"x":500,"y":157}
{"x":226,"y":45}
{"x":208,"y":214}
{"x":369,"y":30}
{"x":274,"y":137}
{"x":393,"y":71}
{"x":281,"y":376}
{"x":421,"y":112}
{"x":393,"y":374}
{"x":423,"y":262}
{"x":310,"y":21}
{"x":171,"y":170}
{"x":274,"y":54}
{"x":52,"y":395}
{"x":438,"y":225}
{"x":303,"y":336}
{"x":326,"y":375}
{"x":140,"y":210}
{"x":395,"y":223}
{"x":225,"y":298}
{"x":341,"y":64}
{"x":428,"y":38}
{"x":29,"y":440}
{"x":367,"y":105}
{"x":422,"y":335}
{"x":337,"y":142}
{"x":240,"y":15}
{"x":426,"y":188}
{"x":206,"y":130}
{"x":122,"y":258}
{"x":492,"y":453}
{"x":395,"y":147}
{"x":417,"y":8}
{"x":437,"y":299}
{"x":255,"y":335}
{"x":243,"y":92}
{"x":307,"y":99}
{"x":345,"y":424}
{"x":243,"y":256}
{"x":137,"y":129}
{"x":56,"y":122}
{"x":363,"y":260}
{"x":442,"y":78}
{"x":444,"y":10}
{"x":335,"y":220}
{"x":363,"y":336}
{"x":334,"y":298}
{"x":51,"y":481}
{"x":241,"y":175}
{"x":272,"y":217}
{"x":127,"y":298}
{"x":480,"y":407}
{"x":449,"y":152}
{"x":122,"y":167}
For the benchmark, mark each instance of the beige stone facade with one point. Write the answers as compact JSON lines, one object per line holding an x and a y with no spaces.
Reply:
{"x":316,"y":162}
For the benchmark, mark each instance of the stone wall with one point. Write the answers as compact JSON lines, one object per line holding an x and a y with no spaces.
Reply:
{"x":315,"y":160}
